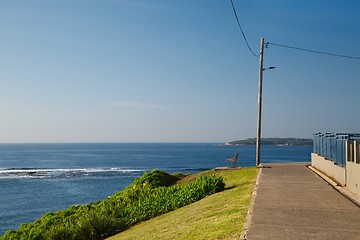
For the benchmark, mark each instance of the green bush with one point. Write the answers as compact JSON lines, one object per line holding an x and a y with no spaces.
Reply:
{"x":97,"y":227}
{"x":60,"y":233}
{"x":155,"y":178}
{"x":149,"y":196}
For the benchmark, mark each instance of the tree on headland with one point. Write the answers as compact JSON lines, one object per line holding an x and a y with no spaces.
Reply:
{"x":274,"y":141}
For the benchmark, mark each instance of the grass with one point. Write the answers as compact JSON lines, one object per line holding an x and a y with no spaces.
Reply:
{"x":219,"y":216}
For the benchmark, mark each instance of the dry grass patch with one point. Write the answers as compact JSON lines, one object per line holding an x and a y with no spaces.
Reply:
{"x":219,"y":216}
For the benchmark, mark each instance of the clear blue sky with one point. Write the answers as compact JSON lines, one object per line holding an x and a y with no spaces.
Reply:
{"x":174,"y":71}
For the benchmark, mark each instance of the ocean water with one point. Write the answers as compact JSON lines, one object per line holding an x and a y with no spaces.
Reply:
{"x":37,"y":178}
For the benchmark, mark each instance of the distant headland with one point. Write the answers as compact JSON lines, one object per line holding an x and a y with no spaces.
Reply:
{"x":273,"y":141}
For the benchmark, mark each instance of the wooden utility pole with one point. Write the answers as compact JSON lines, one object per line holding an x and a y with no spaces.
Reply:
{"x":258,"y":136}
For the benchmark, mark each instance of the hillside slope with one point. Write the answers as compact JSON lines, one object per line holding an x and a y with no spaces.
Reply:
{"x":219,"y":216}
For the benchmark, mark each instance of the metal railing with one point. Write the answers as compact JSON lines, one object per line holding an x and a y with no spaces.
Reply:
{"x":332,"y":146}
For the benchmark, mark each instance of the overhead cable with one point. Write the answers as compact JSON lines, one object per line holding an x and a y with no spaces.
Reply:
{"x":242,"y":32}
{"x":314,"y":51}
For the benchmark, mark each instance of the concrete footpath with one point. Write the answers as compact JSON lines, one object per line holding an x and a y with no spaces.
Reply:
{"x":292,"y":202}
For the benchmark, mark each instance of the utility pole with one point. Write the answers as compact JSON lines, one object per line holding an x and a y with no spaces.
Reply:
{"x":258,"y":136}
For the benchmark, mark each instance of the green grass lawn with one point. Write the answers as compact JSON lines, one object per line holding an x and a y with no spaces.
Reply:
{"x":219,"y":216}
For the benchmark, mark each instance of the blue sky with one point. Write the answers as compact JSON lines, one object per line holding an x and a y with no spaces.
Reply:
{"x":174,"y":71}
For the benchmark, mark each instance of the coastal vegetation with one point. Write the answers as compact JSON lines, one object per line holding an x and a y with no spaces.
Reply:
{"x":147,"y":197}
{"x":219,"y":216}
{"x":274,"y":141}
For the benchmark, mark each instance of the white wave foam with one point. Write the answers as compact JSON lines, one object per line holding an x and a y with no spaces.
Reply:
{"x":62,"y":172}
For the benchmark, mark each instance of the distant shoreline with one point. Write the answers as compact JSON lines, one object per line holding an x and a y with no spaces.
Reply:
{"x":273,"y":142}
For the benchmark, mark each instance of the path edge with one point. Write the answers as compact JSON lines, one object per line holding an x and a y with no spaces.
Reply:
{"x":251,"y":208}
{"x":342,"y":190}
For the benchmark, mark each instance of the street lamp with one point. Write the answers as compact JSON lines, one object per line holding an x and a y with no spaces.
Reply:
{"x":261,"y":69}
{"x":269,"y":68}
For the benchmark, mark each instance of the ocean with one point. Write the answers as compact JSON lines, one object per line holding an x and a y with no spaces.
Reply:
{"x":37,"y":178}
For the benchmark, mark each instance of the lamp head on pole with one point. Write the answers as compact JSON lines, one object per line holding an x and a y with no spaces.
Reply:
{"x":269,"y":68}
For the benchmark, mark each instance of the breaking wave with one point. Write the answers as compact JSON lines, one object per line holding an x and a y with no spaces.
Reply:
{"x":65,"y":173}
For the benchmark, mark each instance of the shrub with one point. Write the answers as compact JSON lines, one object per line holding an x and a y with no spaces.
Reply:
{"x":61,"y":233}
{"x":155,"y":178}
{"x":97,"y":227}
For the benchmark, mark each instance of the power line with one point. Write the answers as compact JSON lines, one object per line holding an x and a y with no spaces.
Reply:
{"x":242,"y":32}
{"x":313,"y":51}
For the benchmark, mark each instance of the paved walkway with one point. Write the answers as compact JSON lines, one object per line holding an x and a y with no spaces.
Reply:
{"x":292,"y":203}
